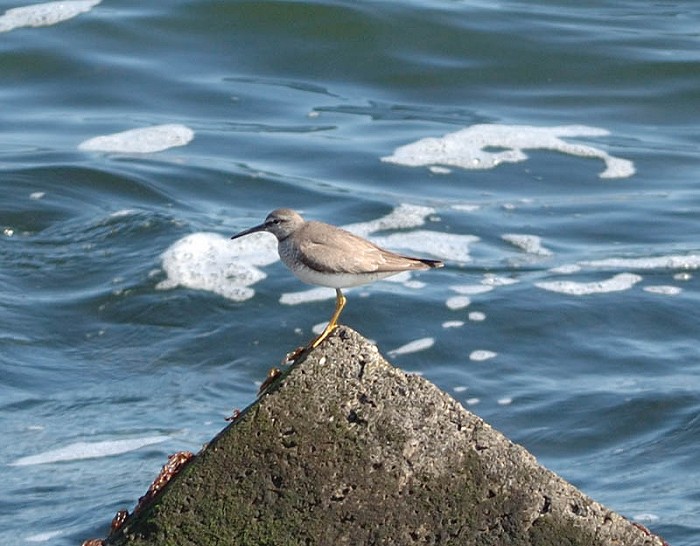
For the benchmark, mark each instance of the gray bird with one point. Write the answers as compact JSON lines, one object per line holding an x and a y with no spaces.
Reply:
{"x":327,"y":255}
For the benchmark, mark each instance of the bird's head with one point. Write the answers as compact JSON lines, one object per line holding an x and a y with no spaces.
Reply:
{"x":280,"y":222}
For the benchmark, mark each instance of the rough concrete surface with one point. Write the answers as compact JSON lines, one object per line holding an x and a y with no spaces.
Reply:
{"x":345,"y":449}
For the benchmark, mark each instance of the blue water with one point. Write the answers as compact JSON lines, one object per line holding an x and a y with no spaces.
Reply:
{"x":132,"y":326}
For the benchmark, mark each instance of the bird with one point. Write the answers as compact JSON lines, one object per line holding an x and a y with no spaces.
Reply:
{"x":326,"y":255}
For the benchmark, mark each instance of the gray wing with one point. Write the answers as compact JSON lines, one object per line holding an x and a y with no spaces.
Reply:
{"x":327,"y":248}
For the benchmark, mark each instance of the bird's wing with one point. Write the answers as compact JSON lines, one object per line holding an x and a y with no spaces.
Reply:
{"x":340,"y":251}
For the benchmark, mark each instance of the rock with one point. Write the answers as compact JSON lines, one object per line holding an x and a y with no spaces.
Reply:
{"x":345,"y":449}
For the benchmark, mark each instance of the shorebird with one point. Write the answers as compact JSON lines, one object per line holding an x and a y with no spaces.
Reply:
{"x":327,"y":255}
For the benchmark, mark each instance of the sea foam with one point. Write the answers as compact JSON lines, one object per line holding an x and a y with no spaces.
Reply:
{"x":44,"y":15}
{"x":413,"y":347}
{"x":623,"y":281}
{"x":88,"y":450}
{"x":143,"y":140}
{"x":486,"y":146}
{"x":532,"y":244}
{"x":212,"y":262}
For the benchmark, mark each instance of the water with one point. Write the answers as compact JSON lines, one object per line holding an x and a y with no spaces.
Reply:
{"x":567,"y":315}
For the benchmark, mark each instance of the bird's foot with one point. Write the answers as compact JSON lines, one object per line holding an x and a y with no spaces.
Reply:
{"x":328,"y":331}
{"x":297,"y":353}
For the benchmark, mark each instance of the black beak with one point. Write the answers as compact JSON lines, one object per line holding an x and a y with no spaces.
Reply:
{"x":261,"y":227}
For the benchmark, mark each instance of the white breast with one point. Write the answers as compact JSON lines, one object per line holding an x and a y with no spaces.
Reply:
{"x":337,"y":280}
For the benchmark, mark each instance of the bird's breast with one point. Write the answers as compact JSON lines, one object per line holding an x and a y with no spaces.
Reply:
{"x":337,"y":280}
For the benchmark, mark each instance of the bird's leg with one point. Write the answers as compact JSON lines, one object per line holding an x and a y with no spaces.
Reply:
{"x":333,"y":323}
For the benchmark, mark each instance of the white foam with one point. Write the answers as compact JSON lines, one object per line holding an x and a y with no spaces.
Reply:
{"x":305,"y":296}
{"x":44,"y":15}
{"x":663,"y":290}
{"x":450,"y":246}
{"x":460,"y":388}
{"x":406,"y":279}
{"x":322,"y":293}
{"x":471,"y":289}
{"x":318,"y":328}
{"x":209,"y":261}
{"x":439,"y":170}
{"x":566,"y":269}
{"x":473,"y":147}
{"x":473,"y":401}
{"x":37,"y":195}
{"x":477,"y":316}
{"x":505,"y":401}
{"x":532,"y":244}
{"x":453,"y":324}
{"x":623,"y":281}
{"x":497,"y":280}
{"x":645,"y":517}
{"x":121,"y":213}
{"x":481,"y":355}
{"x":143,"y":140}
{"x":413,"y":347}
{"x":458,"y":302}
{"x":404,"y":216}
{"x":43,"y":537}
{"x":672,"y":261}
{"x":89,"y":450}
{"x":466,"y":207}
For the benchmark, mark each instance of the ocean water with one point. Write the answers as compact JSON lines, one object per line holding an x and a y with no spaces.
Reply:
{"x":547,"y":151}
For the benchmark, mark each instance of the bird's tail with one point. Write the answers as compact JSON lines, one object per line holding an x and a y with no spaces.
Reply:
{"x":433,"y":264}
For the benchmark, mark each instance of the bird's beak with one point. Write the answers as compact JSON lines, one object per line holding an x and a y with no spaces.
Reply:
{"x":261,"y":227}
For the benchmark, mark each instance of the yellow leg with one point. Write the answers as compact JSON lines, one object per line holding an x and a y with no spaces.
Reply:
{"x":333,"y":323}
